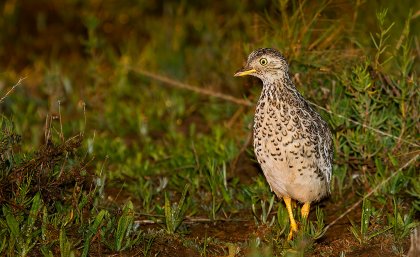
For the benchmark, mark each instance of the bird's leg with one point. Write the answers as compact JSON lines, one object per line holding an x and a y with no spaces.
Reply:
{"x":293,"y":226}
{"x":305,"y":210}
{"x":305,"y":213}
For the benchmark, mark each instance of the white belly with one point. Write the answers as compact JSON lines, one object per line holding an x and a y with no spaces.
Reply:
{"x":289,"y":174}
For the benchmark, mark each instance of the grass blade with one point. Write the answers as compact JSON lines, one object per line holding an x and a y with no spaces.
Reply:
{"x":92,"y":231}
{"x":124,"y":225}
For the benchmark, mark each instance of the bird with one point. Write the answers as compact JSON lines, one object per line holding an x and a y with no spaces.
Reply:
{"x":292,"y":142}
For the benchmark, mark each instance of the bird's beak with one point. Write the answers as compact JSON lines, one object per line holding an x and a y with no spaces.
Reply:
{"x":244,"y":71}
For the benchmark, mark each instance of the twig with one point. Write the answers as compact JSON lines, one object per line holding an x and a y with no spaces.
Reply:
{"x":158,"y":221}
{"x":61,"y":121}
{"x":190,"y":220}
{"x":235,"y":116}
{"x":11,"y":90}
{"x":244,"y":102}
{"x":202,"y":91}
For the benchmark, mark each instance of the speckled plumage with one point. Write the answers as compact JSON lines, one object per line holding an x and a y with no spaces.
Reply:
{"x":291,"y":141}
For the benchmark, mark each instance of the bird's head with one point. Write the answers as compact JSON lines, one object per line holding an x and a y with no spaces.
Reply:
{"x":266,"y":64}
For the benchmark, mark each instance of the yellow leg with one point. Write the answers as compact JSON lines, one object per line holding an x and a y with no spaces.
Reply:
{"x":305,"y":210}
{"x":293,"y":226}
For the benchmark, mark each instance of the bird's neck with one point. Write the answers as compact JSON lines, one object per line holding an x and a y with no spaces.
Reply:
{"x":270,"y":91}
{"x":276,"y":88}
{"x":282,"y":90}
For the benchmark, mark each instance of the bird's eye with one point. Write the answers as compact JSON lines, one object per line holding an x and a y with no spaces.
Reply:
{"x":263,"y":61}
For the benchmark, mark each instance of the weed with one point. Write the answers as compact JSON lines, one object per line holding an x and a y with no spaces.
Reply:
{"x":217,"y":181}
{"x":92,"y":230}
{"x":257,"y":249}
{"x":381,"y":38}
{"x":146,"y":192}
{"x":283,"y":219}
{"x":415,"y":192}
{"x":363,"y":233}
{"x":401,"y":224}
{"x":148,"y":246}
{"x":338,"y":184}
{"x":316,"y":228}
{"x":174,"y":214}
{"x":120,"y":233}
{"x":65,"y":245}
{"x":263,"y":218}
{"x":23,"y":233}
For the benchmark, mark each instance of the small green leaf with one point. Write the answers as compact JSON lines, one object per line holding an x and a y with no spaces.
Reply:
{"x":393,"y":160}
{"x":168,"y":215}
{"x":65,"y":245}
{"x":3,"y":244}
{"x":124,"y":225}
{"x":92,"y":231}
{"x":33,"y":213}
{"x":366,"y":213}
{"x":12,"y":223}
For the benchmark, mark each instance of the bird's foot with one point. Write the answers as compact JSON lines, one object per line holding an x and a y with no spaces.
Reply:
{"x":293,"y":229}
{"x":305,"y":210}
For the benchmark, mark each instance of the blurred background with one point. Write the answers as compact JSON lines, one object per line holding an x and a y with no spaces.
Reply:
{"x":76,"y":51}
{"x":200,"y":43}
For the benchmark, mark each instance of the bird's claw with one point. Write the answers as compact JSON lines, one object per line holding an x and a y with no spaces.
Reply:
{"x":293,"y":229}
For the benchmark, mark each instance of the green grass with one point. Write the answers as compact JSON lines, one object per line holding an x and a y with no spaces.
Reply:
{"x":96,"y":158}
